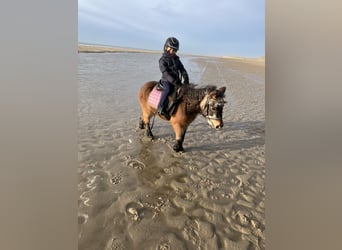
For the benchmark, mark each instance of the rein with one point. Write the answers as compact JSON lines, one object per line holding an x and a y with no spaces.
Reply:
{"x":151,"y":126}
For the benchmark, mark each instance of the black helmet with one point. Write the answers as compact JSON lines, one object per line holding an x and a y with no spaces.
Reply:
{"x":171,"y":42}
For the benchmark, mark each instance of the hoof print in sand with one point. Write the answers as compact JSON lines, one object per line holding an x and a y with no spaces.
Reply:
{"x":132,"y":210}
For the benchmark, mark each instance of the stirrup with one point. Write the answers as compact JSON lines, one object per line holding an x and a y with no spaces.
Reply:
{"x":167,"y":116}
{"x":162,"y":112}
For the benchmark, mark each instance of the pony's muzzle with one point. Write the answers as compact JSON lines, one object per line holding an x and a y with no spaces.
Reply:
{"x":215,"y":123}
{"x":220,"y":125}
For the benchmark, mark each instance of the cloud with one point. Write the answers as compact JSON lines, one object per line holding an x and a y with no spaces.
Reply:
{"x":197,"y":22}
{"x":103,"y":14}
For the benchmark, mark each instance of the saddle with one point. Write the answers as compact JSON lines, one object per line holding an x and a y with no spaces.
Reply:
{"x":171,"y":102}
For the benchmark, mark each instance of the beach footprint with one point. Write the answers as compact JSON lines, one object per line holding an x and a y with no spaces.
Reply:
{"x":134,"y":163}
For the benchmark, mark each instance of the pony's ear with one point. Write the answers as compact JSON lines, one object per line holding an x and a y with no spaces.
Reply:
{"x":222,"y":89}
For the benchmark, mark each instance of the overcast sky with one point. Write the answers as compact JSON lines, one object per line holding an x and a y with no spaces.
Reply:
{"x":203,"y":27}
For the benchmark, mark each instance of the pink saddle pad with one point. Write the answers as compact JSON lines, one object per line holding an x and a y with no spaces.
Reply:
{"x":154,"y":98}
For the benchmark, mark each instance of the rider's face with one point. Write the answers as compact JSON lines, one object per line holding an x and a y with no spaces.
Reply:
{"x":171,"y":51}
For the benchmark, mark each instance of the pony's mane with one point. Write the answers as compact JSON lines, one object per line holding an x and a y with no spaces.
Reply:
{"x":192,"y":93}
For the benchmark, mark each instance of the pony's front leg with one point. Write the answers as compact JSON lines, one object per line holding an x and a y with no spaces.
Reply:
{"x":180,"y":134}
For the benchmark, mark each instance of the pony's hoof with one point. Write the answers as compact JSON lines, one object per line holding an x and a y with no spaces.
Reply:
{"x":178,"y":148}
{"x":150,"y":136}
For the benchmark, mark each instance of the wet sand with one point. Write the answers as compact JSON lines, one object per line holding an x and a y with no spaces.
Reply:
{"x":139,"y":194}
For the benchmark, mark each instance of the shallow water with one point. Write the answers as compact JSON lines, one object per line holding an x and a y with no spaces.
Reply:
{"x":139,"y":194}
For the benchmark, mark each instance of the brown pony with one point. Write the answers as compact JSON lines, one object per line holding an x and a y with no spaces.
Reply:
{"x":207,"y":101}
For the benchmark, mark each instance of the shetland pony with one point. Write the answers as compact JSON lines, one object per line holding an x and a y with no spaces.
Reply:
{"x":208,"y":101}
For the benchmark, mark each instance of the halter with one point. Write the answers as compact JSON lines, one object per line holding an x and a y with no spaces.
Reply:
{"x":205,"y":111}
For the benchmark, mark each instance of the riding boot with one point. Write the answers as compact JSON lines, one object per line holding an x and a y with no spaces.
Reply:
{"x":162,"y":109}
{"x":163,"y":112}
{"x":170,"y":106}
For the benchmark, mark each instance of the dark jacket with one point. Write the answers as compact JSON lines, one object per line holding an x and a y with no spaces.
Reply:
{"x":172,"y":69}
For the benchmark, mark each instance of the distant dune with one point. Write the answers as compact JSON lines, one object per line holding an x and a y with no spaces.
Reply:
{"x":255,"y":60}
{"x":85,"y":48}
{"x":92,"y":48}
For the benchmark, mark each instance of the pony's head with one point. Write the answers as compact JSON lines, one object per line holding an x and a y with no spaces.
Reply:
{"x":212,"y":106}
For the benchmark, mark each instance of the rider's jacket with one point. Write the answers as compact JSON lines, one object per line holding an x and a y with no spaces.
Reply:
{"x":172,"y":69}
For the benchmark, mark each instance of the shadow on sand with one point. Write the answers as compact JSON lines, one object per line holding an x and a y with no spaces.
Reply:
{"x":245,"y":135}
{"x":233,"y":136}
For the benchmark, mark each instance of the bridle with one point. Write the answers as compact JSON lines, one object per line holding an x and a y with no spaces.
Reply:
{"x":205,"y":111}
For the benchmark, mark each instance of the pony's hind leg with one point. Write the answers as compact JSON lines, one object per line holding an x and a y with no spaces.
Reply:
{"x":145,"y":122}
{"x":141,"y":123}
{"x":149,"y":131}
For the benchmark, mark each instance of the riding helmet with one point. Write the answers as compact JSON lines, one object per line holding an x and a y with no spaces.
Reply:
{"x":171,"y":42}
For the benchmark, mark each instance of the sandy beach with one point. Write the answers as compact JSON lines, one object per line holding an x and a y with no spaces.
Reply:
{"x":139,"y":194}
